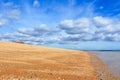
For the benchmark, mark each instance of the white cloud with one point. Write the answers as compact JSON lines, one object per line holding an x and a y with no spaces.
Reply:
{"x":67,"y":24}
{"x":82,"y":22}
{"x":41,"y":34}
{"x":3,"y":22}
{"x":107,"y":28}
{"x":36,"y":3}
{"x":70,"y":31}
{"x":41,"y":30}
{"x":79,"y":23}
{"x":101,"y":21}
{"x":107,"y":25}
{"x":14,"y":14}
{"x":97,"y":28}
{"x":78,"y":26}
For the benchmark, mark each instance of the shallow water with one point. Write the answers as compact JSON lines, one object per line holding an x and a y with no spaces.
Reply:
{"x":111,"y":58}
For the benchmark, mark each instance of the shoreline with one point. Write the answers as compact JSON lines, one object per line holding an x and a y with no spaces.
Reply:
{"x":102,"y":69}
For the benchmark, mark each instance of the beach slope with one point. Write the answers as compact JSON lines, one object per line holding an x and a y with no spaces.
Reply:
{"x":22,"y":62}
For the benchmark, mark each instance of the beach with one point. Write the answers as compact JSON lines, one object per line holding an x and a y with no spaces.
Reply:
{"x":22,"y":62}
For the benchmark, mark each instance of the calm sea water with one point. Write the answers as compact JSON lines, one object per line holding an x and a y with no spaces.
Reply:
{"x":111,"y":58}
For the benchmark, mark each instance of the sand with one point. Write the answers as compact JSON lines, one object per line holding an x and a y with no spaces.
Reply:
{"x":28,"y":62}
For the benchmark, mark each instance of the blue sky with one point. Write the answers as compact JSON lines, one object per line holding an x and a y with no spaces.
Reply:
{"x":73,"y":24}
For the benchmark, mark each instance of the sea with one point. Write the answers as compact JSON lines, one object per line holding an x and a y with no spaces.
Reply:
{"x":111,"y":58}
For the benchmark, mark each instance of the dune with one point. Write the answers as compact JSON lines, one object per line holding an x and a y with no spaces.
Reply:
{"x":28,"y":62}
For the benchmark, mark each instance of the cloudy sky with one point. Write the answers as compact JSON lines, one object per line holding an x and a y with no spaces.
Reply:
{"x":73,"y":24}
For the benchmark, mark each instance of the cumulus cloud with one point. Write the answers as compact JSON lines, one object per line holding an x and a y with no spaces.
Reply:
{"x":101,"y":21}
{"x":41,"y":30}
{"x":97,"y":28}
{"x":107,"y":25}
{"x":75,"y":39}
{"x":107,"y":28}
{"x":78,"y":26}
{"x":107,"y":37}
{"x":41,"y":34}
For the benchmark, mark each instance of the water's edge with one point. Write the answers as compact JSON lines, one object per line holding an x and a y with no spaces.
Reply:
{"x":111,"y":58}
{"x":103,"y":71}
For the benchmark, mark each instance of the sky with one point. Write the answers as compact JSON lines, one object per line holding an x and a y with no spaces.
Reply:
{"x":70,"y":24}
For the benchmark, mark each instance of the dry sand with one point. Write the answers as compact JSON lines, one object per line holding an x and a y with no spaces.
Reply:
{"x":28,"y":62}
